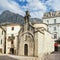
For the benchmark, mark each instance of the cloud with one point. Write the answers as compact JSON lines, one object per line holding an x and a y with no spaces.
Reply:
{"x":54,"y":4}
{"x":11,"y":5}
{"x":36,"y":7}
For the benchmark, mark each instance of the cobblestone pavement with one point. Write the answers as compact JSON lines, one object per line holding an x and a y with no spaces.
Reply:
{"x":6,"y":58}
{"x":54,"y":56}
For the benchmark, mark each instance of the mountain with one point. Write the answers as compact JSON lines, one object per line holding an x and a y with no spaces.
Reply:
{"x":36,"y":20}
{"x":9,"y":17}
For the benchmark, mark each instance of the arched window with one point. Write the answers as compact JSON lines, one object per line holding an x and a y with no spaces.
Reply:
{"x":26,"y":50}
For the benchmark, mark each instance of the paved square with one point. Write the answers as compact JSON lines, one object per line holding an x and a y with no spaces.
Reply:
{"x":6,"y":58}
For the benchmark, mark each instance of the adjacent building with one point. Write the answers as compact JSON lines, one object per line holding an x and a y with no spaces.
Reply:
{"x":12,"y":38}
{"x":53,"y":21}
{"x":34,"y":39}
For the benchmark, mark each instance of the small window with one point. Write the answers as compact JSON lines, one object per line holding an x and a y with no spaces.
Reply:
{"x":54,"y":20}
{"x":55,"y":35}
{"x":54,"y":28}
{"x":47,"y":21}
{"x":12,"y":42}
{"x":12,"y":28}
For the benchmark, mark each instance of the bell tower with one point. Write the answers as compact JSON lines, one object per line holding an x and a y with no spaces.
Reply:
{"x":27,"y":16}
{"x":26,"y":20}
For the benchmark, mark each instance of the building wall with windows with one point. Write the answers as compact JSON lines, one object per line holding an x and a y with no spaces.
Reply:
{"x":53,"y":21}
{"x":12,"y":37}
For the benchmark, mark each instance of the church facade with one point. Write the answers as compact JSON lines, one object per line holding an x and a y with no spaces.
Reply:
{"x":34,"y":40}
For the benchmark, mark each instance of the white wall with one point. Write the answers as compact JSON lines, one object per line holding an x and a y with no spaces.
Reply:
{"x":9,"y":31}
{"x":45,"y":43}
{"x":49,"y":42}
{"x":15,"y":31}
{"x":40,"y":44}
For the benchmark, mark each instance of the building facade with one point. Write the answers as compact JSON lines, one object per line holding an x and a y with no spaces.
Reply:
{"x":53,"y":21}
{"x":11,"y":38}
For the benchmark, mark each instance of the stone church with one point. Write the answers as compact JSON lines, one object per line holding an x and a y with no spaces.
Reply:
{"x":33,"y":39}
{"x":27,"y":38}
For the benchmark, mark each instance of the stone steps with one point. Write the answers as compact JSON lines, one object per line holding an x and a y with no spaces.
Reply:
{"x":24,"y":57}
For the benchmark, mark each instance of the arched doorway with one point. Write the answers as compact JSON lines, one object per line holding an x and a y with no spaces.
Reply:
{"x":26,"y":50}
{"x":12,"y":47}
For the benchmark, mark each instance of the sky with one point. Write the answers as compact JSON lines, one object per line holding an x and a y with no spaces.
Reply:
{"x":37,"y":8}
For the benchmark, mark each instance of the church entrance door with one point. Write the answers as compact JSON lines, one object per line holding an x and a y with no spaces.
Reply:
{"x":26,"y":50}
